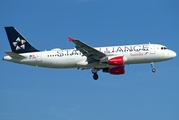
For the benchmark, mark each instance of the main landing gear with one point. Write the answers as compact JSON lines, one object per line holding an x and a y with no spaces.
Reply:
{"x":95,"y":75}
{"x":153,"y":69}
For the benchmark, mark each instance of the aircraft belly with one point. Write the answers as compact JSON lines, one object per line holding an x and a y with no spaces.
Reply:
{"x":60,"y":62}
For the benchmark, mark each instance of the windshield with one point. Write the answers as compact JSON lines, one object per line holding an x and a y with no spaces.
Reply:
{"x":164,"y":48}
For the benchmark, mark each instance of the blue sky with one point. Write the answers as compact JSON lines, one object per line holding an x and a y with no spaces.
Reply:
{"x":33,"y":93}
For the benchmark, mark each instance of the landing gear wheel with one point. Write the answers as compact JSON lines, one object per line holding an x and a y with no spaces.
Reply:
{"x":94,"y":70}
{"x":153,"y":70}
{"x":95,"y":76}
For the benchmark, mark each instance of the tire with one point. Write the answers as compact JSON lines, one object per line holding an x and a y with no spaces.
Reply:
{"x":95,"y":76}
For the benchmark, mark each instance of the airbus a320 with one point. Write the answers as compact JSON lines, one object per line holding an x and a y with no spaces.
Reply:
{"x":111,"y":59}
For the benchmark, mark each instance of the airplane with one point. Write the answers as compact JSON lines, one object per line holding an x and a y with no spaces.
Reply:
{"x":111,"y":59}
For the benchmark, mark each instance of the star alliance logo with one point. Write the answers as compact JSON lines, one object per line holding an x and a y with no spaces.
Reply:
{"x":19,"y":44}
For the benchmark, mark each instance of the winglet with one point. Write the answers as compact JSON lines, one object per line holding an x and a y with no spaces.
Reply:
{"x":70,"y":39}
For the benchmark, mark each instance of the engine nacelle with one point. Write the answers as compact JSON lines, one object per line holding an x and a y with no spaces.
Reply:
{"x":117,"y":70}
{"x":116,"y":60}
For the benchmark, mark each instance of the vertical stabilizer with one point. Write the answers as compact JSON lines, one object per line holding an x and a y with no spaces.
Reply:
{"x":17,"y":42}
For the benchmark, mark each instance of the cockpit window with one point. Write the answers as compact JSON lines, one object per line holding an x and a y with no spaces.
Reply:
{"x":164,"y":48}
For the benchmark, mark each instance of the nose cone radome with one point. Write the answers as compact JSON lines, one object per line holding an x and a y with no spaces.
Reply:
{"x":173,"y":54}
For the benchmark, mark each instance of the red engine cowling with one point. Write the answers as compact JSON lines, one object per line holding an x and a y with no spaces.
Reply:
{"x":116,"y":60}
{"x":117,"y":70}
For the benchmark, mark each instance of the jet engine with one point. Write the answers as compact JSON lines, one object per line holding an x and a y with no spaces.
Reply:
{"x":115,"y":70}
{"x":116,"y":61}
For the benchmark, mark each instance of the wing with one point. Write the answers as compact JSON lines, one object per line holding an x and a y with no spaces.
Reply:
{"x":88,"y":51}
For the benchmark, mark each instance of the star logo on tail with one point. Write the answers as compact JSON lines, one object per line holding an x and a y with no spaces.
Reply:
{"x":19,"y":44}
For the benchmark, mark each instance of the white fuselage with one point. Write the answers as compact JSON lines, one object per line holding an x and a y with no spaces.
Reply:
{"x":72,"y":58}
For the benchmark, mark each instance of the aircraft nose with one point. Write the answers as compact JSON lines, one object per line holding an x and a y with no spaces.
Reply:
{"x":173,"y":54}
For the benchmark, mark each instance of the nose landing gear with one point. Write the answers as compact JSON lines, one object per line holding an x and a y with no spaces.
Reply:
{"x":95,"y":75}
{"x":153,"y":69}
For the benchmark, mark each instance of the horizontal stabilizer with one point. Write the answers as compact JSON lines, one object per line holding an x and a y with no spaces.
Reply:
{"x":15,"y":55}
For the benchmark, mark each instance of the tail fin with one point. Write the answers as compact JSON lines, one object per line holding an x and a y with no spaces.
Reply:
{"x":17,"y":42}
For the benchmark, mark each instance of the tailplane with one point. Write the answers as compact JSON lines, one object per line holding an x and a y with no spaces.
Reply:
{"x":15,"y":55}
{"x":17,"y":42}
